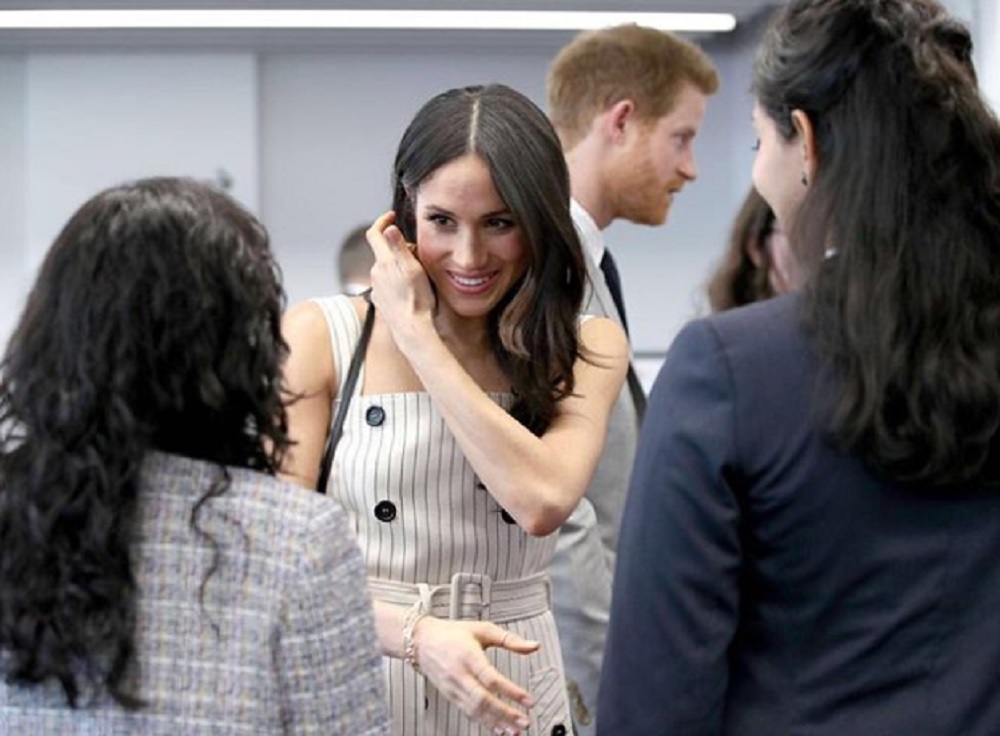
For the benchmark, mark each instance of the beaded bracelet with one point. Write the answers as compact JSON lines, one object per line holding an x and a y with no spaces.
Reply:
{"x":413,"y":617}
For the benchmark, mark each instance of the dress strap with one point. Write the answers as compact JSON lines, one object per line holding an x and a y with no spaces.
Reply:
{"x":345,"y":331}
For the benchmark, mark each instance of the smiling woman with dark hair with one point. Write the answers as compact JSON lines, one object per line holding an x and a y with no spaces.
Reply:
{"x":154,"y":578}
{"x":478,"y":419}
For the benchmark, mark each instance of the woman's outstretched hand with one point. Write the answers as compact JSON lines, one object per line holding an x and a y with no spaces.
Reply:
{"x":451,"y":655}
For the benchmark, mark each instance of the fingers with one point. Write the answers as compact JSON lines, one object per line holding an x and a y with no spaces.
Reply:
{"x":496,"y":683}
{"x":484,"y":702}
{"x":385,"y":239}
{"x":480,"y":697}
{"x":376,"y":236}
{"x":504,"y":639}
{"x":453,"y":658}
{"x":395,"y":238}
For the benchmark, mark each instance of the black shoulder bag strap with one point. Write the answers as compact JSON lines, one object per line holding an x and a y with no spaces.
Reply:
{"x":337,"y":426}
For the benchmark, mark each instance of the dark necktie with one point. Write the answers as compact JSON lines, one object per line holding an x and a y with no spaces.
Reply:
{"x":614,"y":282}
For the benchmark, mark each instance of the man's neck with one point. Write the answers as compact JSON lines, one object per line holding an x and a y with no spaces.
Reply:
{"x":587,"y":184}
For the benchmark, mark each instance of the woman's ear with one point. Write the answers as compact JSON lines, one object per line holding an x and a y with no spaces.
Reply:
{"x":806,"y":137}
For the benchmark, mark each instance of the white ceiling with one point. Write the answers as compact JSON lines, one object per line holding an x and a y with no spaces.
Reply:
{"x":744,"y":10}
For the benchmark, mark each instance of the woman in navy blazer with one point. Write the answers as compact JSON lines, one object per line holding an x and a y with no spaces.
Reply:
{"x":811,"y":544}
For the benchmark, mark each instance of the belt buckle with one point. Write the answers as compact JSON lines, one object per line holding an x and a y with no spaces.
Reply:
{"x":459,"y":582}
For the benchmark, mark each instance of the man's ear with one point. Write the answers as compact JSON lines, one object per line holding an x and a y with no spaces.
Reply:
{"x":616,"y":120}
{"x":806,"y":137}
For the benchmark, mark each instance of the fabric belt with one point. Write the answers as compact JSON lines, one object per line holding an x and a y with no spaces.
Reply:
{"x":471,"y":597}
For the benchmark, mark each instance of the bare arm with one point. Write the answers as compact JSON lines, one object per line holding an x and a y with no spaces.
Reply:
{"x":538,"y":480}
{"x":311,"y":376}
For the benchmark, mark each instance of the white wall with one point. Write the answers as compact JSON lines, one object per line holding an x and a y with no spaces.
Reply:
{"x":94,"y":120}
{"x":983,"y":20}
{"x":988,"y":44}
{"x":13,"y":273}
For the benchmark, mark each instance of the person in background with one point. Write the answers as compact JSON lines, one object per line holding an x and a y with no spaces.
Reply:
{"x":354,"y":262}
{"x":810,"y":542}
{"x":627,"y":103}
{"x":478,"y":418}
{"x":155,"y":577}
{"x":758,"y":263}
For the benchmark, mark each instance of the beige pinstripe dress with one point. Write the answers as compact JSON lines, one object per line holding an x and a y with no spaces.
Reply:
{"x":428,"y":529}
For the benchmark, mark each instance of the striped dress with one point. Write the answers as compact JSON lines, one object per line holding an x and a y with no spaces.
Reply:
{"x":422,"y":516}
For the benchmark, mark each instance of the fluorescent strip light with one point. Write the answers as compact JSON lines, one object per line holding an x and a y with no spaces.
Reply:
{"x":367,"y":19}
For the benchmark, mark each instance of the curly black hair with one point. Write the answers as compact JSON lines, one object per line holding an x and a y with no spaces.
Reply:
{"x":153,"y":325}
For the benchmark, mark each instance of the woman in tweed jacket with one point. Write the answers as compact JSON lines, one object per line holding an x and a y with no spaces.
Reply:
{"x":154,"y":579}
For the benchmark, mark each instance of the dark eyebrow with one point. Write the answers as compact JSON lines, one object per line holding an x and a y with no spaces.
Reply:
{"x":498,"y":213}
{"x":436,"y":210}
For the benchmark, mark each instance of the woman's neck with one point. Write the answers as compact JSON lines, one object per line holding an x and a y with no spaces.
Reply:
{"x":463,"y":334}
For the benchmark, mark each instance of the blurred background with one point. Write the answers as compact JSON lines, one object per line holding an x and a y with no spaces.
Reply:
{"x":302,"y":125}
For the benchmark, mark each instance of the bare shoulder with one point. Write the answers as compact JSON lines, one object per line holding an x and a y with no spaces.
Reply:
{"x":309,"y":367}
{"x":308,"y":318}
{"x":304,"y":320}
{"x":604,"y":338}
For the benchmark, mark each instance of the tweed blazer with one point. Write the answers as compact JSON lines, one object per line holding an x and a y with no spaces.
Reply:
{"x":280,"y":640}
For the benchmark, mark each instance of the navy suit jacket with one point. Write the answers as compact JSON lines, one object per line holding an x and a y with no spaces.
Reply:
{"x":768,"y":584}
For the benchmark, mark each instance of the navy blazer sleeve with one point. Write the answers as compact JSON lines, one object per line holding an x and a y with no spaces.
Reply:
{"x":676,"y":592}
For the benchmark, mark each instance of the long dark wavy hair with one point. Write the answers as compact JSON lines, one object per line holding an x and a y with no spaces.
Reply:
{"x":907,"y":192}
{"x":533,"y":330}
{"x":153,"y":324}
{"x":738,"y":280}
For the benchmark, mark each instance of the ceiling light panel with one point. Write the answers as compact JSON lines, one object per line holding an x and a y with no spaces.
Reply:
{"x":358,"y":19}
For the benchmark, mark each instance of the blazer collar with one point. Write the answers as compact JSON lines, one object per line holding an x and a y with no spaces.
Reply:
{"x":593,"y":250}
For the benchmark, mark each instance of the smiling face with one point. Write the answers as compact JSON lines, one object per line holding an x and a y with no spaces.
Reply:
{"x":467,"y":238}
{"x":658,"y":161}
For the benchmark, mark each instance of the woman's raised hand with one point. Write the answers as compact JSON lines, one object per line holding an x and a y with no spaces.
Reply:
{"x":401,"y":290}
{"x":451,"y":655}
